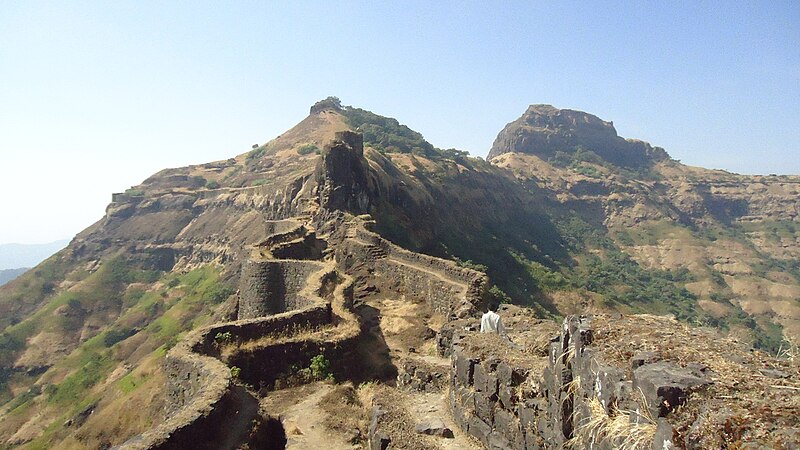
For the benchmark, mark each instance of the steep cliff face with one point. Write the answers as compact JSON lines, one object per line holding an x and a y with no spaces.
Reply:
{"x":544,"y":130}
{"x":737,"y":236}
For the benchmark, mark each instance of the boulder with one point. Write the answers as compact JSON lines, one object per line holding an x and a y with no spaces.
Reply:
{"x":434,"y":427}
{"x":665,"y":385}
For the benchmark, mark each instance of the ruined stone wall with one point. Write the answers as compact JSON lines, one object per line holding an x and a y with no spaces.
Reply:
{"x":274,"y":286}
{"x":448,"y":288}
{"x":571,"y":402}
{"x":282,"y":231}
{"x":201,"y":394}
{"x":441,"y":295}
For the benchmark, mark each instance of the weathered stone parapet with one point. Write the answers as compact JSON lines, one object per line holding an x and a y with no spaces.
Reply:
{"x":199,"y":396}
{"x":574,"y":400}
{"x":282,"y":231}
{"x":274,"y":286}
{"x":448,"y":288}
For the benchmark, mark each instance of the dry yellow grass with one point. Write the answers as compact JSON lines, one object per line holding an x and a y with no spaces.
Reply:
{"x":753,"y":397}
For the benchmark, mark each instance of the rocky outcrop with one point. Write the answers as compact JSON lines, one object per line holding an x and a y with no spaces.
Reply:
{"x":342,"y":174}
{"x":544,"y":130}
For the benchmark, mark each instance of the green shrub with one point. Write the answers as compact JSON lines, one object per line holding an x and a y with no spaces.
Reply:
{"x":307,"y":149}
{"x":320,"y":368}
{"x":256,"y":153}
{"x":498,"y":296}
{"x":134,"y":192}
{"x":212,"y":185}
{"x":235,"y":372}
{"x":223,"y":338}
{"x":471,"y":265}
{"x":115,"y":335}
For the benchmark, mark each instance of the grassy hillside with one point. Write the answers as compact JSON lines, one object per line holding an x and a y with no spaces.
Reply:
{"x":73,"y":367}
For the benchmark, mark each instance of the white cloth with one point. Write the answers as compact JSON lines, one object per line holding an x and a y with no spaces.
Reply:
{"x":491,"y":323}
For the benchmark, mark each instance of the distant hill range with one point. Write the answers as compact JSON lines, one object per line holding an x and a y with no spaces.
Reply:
{"x":7,"y":275}
{"x":14,"y":256}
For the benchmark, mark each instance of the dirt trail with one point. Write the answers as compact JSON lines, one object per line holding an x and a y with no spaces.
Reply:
{"x":434,"y":405}
{"x":303,"y":421}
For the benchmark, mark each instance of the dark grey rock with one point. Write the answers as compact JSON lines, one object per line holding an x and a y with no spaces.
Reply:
{"x":605,"y":386}
{"x":498,"y":442}
{"x":773,"y":373}
{"x":641,"y":358}
{"x":508,"y":397}
{"x":464,"y":368}
{"x":492,"y":385}
{"x":662,"y":440}
{"x":665,"y":385}
{"x":479,"y":378}
{"x":511,"y":376}
{"x":479,"y":429}
{"x":484,"y":408}
{"x":434,"y":427}
{"x":379,"y":442}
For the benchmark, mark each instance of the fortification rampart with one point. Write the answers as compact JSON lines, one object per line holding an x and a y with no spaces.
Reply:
{"x":570,"y":398}
{"x":269,"y":287}
{"x":283,"y":231}
{"x":448,"y":288}
{"x":202,"y":395}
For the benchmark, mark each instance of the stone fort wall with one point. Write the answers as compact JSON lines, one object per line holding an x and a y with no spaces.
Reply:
{"x":274,"y":286}
{"x":512,"y":406}
{"x":448,"y":288}
{"x":202,"y":395}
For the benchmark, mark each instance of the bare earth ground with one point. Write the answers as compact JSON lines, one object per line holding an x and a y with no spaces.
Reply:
{"x":303,"y":418}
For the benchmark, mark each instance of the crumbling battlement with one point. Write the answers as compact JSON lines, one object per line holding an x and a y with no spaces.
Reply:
{"x":201,"y":392}
{"x":568,"y":398}
{"x":269,"y":287}
{"x":593,"y":386}
{"x":282,"y":231}
{"x":448,"y":288}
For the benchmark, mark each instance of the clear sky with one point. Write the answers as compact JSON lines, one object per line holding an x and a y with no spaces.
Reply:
{"x":97,"y":96}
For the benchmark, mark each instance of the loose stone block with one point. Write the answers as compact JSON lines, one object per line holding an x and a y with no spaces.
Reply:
{"x":464,"y":368}
{"x":479,"y":429}
{"x":484,"y":408}
{"x":508,"y":397}
{"x":665,"y":385}
{"x":479,"y":378}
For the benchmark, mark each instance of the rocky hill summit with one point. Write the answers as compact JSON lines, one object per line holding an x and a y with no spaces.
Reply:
{"x":548,"y":132}
{"x":324,"y":289}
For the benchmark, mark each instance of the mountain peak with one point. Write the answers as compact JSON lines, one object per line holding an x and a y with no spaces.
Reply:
{"x":327,"y":104}
{"x":544,"y":130}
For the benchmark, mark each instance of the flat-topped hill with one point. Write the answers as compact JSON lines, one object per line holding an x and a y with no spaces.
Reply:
{"x":547,"y":131}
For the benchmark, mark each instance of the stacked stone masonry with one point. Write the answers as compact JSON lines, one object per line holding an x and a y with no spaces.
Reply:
{"x":274,"y":286}
{"x":201,"y":393}
{"x":568,"y":403}
{"x":446,"y":287}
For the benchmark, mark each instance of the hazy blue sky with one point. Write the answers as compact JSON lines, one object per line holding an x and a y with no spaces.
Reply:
{"x":97,"y":96}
